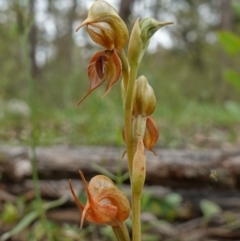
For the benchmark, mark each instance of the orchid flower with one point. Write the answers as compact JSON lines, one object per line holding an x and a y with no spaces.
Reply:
{"x":106,"y":204}
{"x":107,"y":29}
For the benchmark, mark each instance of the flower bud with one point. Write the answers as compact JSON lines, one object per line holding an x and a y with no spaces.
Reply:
{"x":106,"y":204}
{"x":105,"y":27}
{"x":148,"y":27}
{"x":140,"y":37}
{"x":144,"y":100}
{"x":135,"y":45}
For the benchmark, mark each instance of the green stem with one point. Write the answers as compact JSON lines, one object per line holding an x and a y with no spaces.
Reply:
{"x":129,"y":81}
{"x":33,"y":132}
{"x":125,"y":68}
{"x":121,"y":232}
{"x":129,"y":77}
{"x":128,"y":116}
{"x":136,"y":209}
{"x":136,"y":217}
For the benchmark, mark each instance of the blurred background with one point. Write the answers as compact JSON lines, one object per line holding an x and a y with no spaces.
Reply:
{"x":193,"y":66}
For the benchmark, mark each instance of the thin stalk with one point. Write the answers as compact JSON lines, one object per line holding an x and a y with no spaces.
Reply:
{"x":125,"y":68}
{"x":121,"y":232}
{"x":136,"y":208}
{"x":31,"y":97}
{"x":128,"y":116}
{"x":136,"y":217}
{"x":128,"y":83}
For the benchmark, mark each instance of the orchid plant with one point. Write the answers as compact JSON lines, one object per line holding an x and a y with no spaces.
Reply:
{"x":106,"y":204}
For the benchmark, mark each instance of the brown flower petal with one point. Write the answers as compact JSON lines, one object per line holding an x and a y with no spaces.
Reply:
{"x":114,"y":69}
{"x":96,"y":72}
{"x":151,"y":134}
{"x":104,"y":65}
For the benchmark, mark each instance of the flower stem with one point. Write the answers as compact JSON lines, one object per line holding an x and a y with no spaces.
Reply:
{"x":136,"y":218}
{"x":128,"y":116}
{"x":129,"y":78}
{"x":125,"y":68}
{"x":121,"y":232}
{"x":131,"y":147}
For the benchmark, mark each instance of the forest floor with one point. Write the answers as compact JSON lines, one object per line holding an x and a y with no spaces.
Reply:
{"x":190,"y":195}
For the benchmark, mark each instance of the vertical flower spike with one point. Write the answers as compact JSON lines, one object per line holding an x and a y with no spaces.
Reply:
{"x":106,"y":204}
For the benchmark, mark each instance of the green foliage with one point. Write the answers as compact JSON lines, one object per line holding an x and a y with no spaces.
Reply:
{"x":178,"y":124}
{"x":230,"y":41}
{"x":118,"y":178}
{"x":232,"y":77}
{"x":9,"y":214}
{"x":107,"y":234}
{"x":236,"y":8}
{"x":209,"y":209}
{"x":167,"y":207}
{"x":231,"y":44}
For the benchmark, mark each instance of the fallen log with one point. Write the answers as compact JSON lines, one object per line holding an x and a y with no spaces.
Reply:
{"x":171,"y":168}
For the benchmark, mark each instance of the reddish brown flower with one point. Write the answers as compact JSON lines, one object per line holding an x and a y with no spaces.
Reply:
{"x":106,"y":204}
{"x":104,"y":66}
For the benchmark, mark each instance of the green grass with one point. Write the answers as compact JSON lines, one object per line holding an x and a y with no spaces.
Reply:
{"x":199,"y":125}
{"x":99,"y":122}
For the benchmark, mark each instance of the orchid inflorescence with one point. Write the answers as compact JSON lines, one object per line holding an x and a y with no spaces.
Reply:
{"x":106,"y":204}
